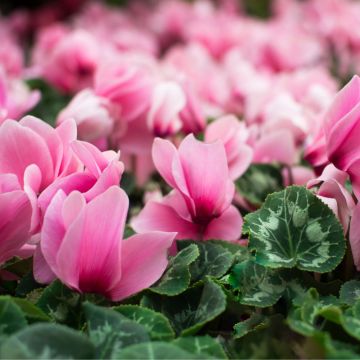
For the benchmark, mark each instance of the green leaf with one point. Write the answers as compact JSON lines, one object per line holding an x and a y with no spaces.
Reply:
{"x":153,"y":351}
{"x":201,"y":345}
{"x":259,"y":181}
{"x":350,"y":292}
{"x":336,"y":349}
{"x":351,"y":320}
{"x":295,"y":229}
{"x":128,"y":182}
{"x":312,"y":313}
{"x":109,"y":330}
{"x":239,"y":252}
{"x":61,"y":304}
{"x":191,"y":310}
{"x":177,"y":277}
{"x":253,"y":323}
{"x":47,"y":341}
{"x":270,"y":342}
{"x":12,"y":318}
{"x":156,"y":323}
{"x":32,"y":312}
{"x":214,"y":260}
{"x":257,"y":285}
{"x":297,"y":324}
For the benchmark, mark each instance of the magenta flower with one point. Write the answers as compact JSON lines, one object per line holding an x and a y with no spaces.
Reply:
{"x":82,"y":244}
{"x":200,"y":205}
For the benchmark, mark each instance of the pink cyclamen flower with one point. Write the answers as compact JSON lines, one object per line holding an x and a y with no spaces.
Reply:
{"x":342,"y":131}
{"x":92,"y":114}
{"x":72,"y":63}
{"x":16,"y":211}
{"x":100,"y":171}
{"x":167,"y":102}
{"x":234,"y":135}
{"x":32,"y":142}
{"x":192,"y":115}
{"x":37,"y":155}
{"x":331,"y":190}
{"x":15,"y":97}
{"x":200,"y":205}
{"x":127,"y":83}
{"x":82,"y":243}
{"x":354,"y":235}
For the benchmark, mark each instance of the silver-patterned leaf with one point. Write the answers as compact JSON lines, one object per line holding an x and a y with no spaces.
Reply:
{"x":295,"y":229}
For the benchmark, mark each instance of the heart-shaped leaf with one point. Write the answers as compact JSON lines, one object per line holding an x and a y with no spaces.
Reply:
{"x":295,"y":229}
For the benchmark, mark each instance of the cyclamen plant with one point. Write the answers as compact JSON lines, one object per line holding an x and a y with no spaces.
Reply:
{"x":168,"y":190}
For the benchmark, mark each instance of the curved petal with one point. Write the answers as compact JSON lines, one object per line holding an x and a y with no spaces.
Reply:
{"x":89,"y":257}
{"x":206,"y":172}
{"x":226,"y":227}
{"x":21,"y":147}
{"x":49,"y":135}
{"x":156,"y":216}
{"x":109,"y":177}
{"x":81,"y":182}
{"x":53,"y":230}
{"x":15,"y":210}
{"x":144,"y":260}
{"x":163,"y":153}
{"x":355,"y":236}
{"x":42,"y":271}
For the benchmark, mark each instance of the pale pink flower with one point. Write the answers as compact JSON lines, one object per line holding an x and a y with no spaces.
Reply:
{"x":92,"y":114}
{"x":331,"y":190}
{"x":168,"y":100}
{"x":234,"y":136}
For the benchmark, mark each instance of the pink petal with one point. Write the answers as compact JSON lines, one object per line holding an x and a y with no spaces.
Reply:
{"x":277,"y":146}
{"x":226,"y":227}
{"x":156,"y":216}
{"x":355,"y":236}
{"x":343,"y":127}
{"x":110,"y":176}
{"x":163,"y":153}
{"x":21,"y":147}
{"x":81,"y":182}
{"x":9,"y":182}
{"x":53,"y":230}
{"x":42,"y":271}
{"x":89,"y":257}
{"x":15,"y":210}
{"x":206,"y":174}
{"x":90,"y":156}
{"x":49,"y":135}
{"x":240,"y":163}
{"x":144,"y":260}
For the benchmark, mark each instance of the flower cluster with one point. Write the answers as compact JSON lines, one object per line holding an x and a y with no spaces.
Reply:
{"x":158,"y":85}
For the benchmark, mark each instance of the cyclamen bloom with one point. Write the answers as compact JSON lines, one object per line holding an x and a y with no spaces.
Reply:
{"x":200,"y":205}
{"x":16,"y":211}
{"x":342,"y":131}
{"x":93,"y":117}
{"x":32,"y":142}
{"x":234,"y":135}
{"x":332,"y":192}
{"x":100,"y":171}
{"x":37,"y":155}
{"x":82,"y":243}
{"x":167,"y":102}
